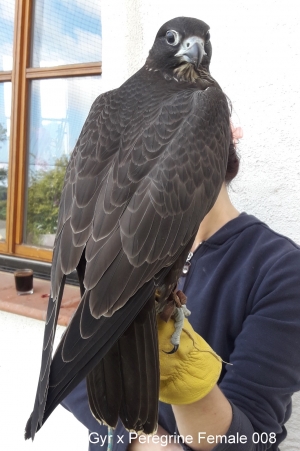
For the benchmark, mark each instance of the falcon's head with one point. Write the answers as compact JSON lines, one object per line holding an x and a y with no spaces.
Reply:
{"x":181,"y":49}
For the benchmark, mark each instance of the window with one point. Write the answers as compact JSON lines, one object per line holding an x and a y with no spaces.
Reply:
{"x":7,"y":9}
{"x":50,"y":73}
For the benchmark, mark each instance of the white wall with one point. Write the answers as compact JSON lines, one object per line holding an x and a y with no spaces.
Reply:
{"x":256,"y":59}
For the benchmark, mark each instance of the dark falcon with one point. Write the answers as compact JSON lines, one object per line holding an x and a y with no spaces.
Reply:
{"x":147,"y":167}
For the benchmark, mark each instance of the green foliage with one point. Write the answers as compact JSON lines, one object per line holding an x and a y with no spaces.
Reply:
{"x":3,"y":174}
{"x":3,"y":203}
{"x":44,"y":191}
{"x":43,"y":199}
{"x":3,"y":131}
{"x":3,"y":178}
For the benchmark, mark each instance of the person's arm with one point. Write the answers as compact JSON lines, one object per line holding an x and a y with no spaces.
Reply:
{"x":209,"y":416}
{"x":157,"y":442}
{"x":203,"y":420}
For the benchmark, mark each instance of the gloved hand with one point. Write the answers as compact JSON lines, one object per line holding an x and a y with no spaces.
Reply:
{"x":192,"y":371}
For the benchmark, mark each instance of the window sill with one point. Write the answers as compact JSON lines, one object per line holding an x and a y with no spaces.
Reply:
{"x":35,"y":305}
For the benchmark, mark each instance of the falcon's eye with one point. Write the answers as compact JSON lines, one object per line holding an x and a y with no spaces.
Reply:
{"x":207,"y":37}
{"x":172,"y":37}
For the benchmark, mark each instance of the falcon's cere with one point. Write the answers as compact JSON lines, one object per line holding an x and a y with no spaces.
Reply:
{"x":147,"y":167}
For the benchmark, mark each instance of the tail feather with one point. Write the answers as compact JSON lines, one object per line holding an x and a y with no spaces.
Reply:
{"x":104,"y":384}
{"x":35,"y":421}
{"x":119,"y":387}
{"x":28,"y":428}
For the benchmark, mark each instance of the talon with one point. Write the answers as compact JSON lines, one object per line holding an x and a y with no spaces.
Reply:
{"x":175,"y":348}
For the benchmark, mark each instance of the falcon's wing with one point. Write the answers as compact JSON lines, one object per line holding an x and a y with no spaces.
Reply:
{"x":137,"y":186}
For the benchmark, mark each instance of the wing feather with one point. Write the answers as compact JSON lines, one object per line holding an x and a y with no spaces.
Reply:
{"x":69,"y":254}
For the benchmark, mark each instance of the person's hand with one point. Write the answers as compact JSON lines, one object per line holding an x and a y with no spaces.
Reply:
{"x":192,"y":371}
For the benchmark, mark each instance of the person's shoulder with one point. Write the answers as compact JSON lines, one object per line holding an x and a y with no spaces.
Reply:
{"x":271,"y":260}
{"x":250,"y":237}
{"x":266,"y":246}
{"x":252,"y":226}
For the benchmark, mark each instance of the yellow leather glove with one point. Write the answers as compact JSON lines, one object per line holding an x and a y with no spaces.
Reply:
{"x":192,"y":371}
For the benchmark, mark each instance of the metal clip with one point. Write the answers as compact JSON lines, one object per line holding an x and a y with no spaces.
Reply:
{"x":187,"y":264}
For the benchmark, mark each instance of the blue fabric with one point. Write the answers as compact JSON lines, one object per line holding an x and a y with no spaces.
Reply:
{"x":243,"y":291}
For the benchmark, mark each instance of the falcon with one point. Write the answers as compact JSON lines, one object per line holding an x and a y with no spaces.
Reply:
{"x":147,"y":167}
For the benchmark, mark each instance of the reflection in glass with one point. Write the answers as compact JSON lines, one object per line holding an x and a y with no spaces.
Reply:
{"x":58,"y":110}
{"x":66,"y":32}
{"x":5,"y":107}
{"x":7,"y":13}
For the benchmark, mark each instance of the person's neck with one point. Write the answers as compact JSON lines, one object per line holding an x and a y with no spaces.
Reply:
{"x":222,"y":212}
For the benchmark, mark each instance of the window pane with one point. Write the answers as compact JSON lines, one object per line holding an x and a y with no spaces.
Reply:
{"x":66,"y":32}
{"x":7,"y":13}
{"x":5,"y":107}
{"x":58,"y":110}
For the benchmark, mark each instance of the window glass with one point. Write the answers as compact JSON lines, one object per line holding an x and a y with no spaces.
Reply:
{"x":5,"y":108}
{"x":7,"y":13}
{"x":58,"y":110}
{"x":66,"y":32}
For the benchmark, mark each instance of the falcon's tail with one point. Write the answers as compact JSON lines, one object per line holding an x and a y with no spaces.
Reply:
{"x":70,"y":366}
{"x":128,"y":388}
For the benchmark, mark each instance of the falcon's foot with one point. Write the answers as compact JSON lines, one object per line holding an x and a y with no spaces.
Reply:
{"x":175,"y":308}
{"x":179,"y":314}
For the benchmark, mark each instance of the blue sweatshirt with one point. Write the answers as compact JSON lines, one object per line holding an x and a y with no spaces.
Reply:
{"x":243,"y":288}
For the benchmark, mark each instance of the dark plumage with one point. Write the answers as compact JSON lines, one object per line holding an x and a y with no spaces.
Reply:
{"x":147,"y":167}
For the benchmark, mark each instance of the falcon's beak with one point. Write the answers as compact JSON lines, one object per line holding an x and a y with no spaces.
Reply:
{"x":192,"y":50}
